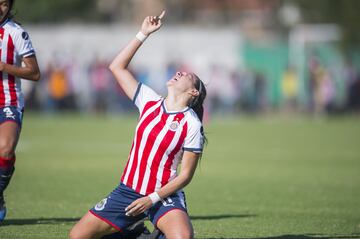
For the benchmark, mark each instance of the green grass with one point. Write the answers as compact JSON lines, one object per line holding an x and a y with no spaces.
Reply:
{"x":259,"y":177}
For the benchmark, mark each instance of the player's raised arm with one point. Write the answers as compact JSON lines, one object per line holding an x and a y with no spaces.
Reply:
{"x":119,"y":66}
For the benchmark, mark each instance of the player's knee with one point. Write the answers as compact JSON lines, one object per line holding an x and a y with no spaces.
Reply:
{"x":181,"y":234}
{"x":76,"y":234}
{"x":72,"y":234}
{"x":187,"y":234}
{"x":6,"y":149}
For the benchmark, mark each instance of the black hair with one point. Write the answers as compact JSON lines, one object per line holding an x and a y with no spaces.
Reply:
{"x":11,"y":2}
{"x":197,"y":102}
{"x":10,"y":15}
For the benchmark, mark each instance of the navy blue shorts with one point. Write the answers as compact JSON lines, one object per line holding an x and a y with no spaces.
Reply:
{"x":112,"y":208}
{"x":11,"y":113}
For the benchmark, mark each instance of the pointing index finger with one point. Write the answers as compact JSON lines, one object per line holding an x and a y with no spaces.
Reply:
{"x":161,"y":15}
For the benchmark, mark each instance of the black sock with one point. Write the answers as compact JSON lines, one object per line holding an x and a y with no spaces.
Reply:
{"x":5,"y":177}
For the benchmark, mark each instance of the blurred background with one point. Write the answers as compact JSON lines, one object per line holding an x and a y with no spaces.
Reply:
{"x":289,"y":172}
{"x":256,"y":56}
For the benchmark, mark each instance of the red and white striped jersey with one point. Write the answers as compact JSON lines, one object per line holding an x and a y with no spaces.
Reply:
{"x":160,"y":139}
{"x":14,"y":45}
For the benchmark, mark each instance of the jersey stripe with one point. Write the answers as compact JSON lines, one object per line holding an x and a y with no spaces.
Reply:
{"x":131,"y":158}
{"x":146,"y":137}
{"x":165,"y":144}
{"x":154,"y":133}
{"x":11,"y":78}
{"x":127,"y":164}
{"x":139,"y":134}
{"x":2,"y":95}
{"x":5,"y":80}
{"x":158,"y":144}
{"x":147,"y":107}
{"x":167,"y":171}
{"x":14,"y":46}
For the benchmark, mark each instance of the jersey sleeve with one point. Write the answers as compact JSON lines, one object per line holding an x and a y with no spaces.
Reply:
{"x":143,"y":95}
{"x":23,"y":43}
{"x":194,"y":140}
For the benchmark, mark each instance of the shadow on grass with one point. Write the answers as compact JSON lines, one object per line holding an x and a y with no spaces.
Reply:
{"x":33,"y":221}
{"x":39,"y":221}
{"x":304,"y":236}
{"x":221,"y":216}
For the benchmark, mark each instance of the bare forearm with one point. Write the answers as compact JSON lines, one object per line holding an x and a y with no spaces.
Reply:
{"x":22,"y":72}
{"x":188,"y":167}
{"x":29,"y":70}
{"x":119,"y":68}
{"x":119,"y":65}
{"x":175,"y":185}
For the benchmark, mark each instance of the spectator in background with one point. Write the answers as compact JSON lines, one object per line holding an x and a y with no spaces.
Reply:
{"x":236,"y":81}
{"x":259,"y":92}
{"x":322,"y":89}
{"x":215,"y":87}
{"x":315,"y":77}
{"x":352,"y":82}
{"x":99,"y":78}
{"x":354,"y":95}
{"x":289,"y":88}
{"x":58,"y":87}
{"x":327,"y":92}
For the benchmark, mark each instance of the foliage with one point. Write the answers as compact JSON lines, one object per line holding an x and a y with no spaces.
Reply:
{"x":343,"y":13}
{"x":55,"y":11}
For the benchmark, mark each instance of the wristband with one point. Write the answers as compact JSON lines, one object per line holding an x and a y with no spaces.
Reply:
{"x":141,"y":36}
{"x":154,"y":197}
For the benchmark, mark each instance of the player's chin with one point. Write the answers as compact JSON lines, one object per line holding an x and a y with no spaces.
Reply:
{"x":170,"y":82}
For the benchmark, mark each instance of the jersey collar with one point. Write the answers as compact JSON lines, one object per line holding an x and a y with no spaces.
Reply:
{"x":4,"y":22}
{"x":172,"y":112}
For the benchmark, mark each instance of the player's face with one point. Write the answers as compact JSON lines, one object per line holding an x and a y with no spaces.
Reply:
{"x":182,"y":81}
{"x":4,"y":9}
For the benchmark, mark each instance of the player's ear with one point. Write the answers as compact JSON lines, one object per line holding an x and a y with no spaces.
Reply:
{"x":194,"y":92}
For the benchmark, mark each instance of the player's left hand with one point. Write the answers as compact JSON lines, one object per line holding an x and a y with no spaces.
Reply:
{"x":138,"y":206}
{"x":152,"y":24}
{"x":2,"y":65}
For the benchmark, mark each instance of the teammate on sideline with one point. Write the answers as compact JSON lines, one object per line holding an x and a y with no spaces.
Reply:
{"x":15,"y":49}
{"x":169,"y":131}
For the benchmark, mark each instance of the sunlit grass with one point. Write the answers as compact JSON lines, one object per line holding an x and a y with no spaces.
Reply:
{"x":258,"y":178}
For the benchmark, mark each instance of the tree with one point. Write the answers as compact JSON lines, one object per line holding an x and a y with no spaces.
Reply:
{"x":344,"y":13}
{"x":36,"y":11}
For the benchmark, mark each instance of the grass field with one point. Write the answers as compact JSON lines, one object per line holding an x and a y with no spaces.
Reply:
{"x":259,"y":177}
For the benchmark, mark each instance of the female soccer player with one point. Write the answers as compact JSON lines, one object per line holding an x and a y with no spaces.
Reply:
{"x":169,"y":131}
{"x":15,"y":49}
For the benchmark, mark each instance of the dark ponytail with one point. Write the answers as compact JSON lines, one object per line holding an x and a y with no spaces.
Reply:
{"x":11,"y":4}
{"x":10,"y":15}
{"x":197,"y":102}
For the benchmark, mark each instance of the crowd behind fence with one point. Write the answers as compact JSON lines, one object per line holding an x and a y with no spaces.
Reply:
{"x":260,"y":77}
{"x":92,"y":88}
